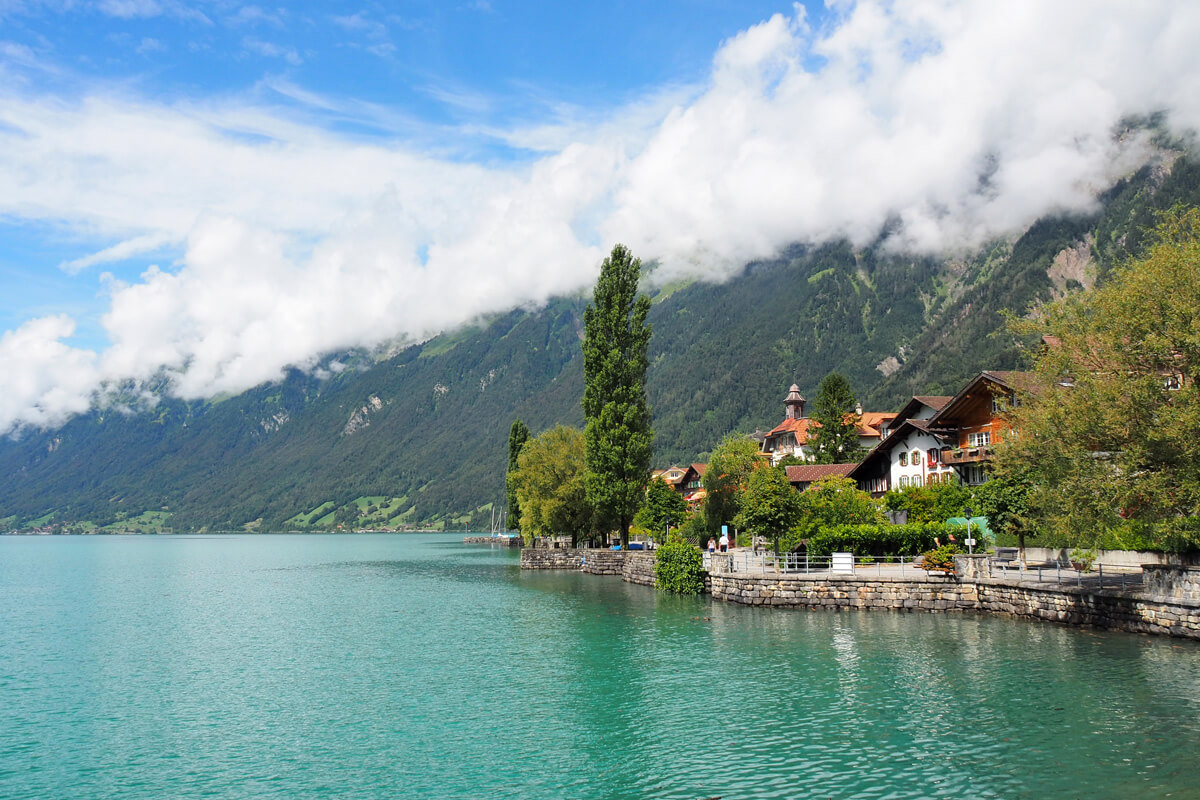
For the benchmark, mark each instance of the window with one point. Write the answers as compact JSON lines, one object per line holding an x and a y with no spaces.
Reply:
{"x":999,"y":404}
{"x":916,"y":457}
{"x":934,"y":457}
{"x":904,"y":459}
{"x":903,"y":481}
{"x":916,"y":481}
{"x":976,"y":474}
{"x":981,"y":439}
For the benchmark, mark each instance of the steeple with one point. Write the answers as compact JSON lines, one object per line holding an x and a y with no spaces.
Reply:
{"x":793,"y":404}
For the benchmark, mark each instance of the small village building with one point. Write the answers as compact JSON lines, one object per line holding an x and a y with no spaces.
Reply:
{"x":934,"y":438}
{"x":803,"y":476}
{"x":686,"y":481}
{"x":793,"y":436}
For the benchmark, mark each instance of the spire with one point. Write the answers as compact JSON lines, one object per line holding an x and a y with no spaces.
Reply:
{"x":793,"y":404}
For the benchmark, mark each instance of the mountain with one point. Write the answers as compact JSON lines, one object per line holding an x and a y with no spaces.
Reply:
{"x":419,"y":436}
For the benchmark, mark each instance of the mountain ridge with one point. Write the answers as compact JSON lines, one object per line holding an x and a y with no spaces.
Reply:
{"x":418,"y":435}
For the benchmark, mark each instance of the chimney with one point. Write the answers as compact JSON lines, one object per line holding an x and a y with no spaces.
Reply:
{"x":858,"y":410}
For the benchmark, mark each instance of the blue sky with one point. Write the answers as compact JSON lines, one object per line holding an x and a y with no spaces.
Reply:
{"x":213,"y":191}
{"x":442,"y":76}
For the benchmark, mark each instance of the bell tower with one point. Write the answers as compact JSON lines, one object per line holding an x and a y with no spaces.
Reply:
{"x":793,"y":404}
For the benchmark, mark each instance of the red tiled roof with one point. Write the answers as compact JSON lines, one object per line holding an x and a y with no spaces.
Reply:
{"x":807,"y":473}
{"x":870,"y":421}
{"x":798,"y":426}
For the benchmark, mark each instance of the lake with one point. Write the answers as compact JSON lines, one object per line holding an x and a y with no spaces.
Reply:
{"x":413,"y":666}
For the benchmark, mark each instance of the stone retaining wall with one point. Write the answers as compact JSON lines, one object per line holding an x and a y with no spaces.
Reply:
{"x":1138,"y":613}
{"x":604,"y":562}
{"x":639,"y":569}
{"x":503,"y":541}
{"x":1181,"y":583}
{"x":550,"y":558}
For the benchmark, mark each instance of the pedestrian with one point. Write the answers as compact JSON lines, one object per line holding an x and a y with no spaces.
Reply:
{"x":712,"y":545}
{"x":724,"y":542}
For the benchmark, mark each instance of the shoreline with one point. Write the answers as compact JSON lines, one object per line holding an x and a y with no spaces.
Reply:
{"x":1172,"y":610}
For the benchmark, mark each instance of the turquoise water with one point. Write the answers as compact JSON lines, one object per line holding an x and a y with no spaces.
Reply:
{"x":377,"y":666}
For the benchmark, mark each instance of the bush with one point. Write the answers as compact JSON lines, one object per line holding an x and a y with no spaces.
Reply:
{"x":941,"y":557}
{"x":878,"y":540}
{"x":679,"y":567}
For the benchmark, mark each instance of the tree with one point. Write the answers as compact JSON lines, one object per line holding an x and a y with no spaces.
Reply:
{"x":770,"y":505}
{"x":730,"y":464}
{"x":832,"y":501}
{"x":549,"y":483}
{"x":836,"y":440}
{"x":518,"y":434}
{"x":933,"y":502}
{"x":1004,"y":500}
{"x":664,"y":506}
{"x":619,"y":438}
{"x":1108,"y":427}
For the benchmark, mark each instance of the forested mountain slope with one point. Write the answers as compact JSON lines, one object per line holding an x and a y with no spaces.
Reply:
{"x":420,"y":436}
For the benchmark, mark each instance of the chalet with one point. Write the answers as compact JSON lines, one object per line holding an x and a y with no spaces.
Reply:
{"x":973,"y":420}
{"x":684,"y":480}
{"x":935,"y":439}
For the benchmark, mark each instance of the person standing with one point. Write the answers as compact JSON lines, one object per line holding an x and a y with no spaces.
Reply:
{"x":712,"y":545}
{"x":724,"y":542}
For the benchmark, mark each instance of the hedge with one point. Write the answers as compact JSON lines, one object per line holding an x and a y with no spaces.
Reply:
{"x":881,"y":540}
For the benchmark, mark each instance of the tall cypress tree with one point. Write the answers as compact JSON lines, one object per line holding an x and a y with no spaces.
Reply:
{"x":518,"y":434}
{"x":618,"y":434}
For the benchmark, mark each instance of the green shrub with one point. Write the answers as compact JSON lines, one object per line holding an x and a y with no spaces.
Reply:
{"x":941,"y":557}
{"x":878,"y":540}
{"x":679,"y":567}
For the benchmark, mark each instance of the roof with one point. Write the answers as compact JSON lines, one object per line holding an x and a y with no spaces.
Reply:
{"x":807,"y":473}
{"x":884,"y":449}
{"x":931,"y":401}
{"x":869,"y":422}
{"x":796,"y":426}
{"x":700,"y":469}
{"x":1006,"y":379}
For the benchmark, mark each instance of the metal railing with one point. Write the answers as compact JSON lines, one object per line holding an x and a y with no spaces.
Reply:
{"x":760,"y":562}
{"x":1098,"y":577}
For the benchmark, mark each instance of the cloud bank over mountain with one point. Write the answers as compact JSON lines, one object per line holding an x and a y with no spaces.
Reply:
{"x":943,"y":123}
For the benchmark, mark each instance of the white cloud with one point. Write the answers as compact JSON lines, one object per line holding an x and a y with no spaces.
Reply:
{"x":271,"y":50}
{"x":962,"y":121}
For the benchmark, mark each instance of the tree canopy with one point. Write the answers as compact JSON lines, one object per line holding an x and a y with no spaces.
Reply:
{"x":836,"y":441}
{"x":549,"y":482}
{"x":1108,"y":429}
{"x":769,"y":505}
{"x":664,"y":506}
{"x":728,"y":468}
{"x":619,"y":438}
{"x":518,"y":434}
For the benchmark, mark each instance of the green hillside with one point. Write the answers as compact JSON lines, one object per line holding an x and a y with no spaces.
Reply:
{"x":419,"y":438}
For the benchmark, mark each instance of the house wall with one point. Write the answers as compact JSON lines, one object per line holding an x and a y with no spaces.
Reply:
{"x":923,"y":442}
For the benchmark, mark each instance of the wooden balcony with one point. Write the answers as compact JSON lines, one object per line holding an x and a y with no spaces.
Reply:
{"x":966,"y":455}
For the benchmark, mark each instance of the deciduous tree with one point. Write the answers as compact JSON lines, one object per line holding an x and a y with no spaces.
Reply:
{"x":1108,"y":429}
{"x":731,"y":463}
{"x":664,"y":506}
{"x":620,"y":441}
{"x":769,"y":505}
{"x":549,"y":482}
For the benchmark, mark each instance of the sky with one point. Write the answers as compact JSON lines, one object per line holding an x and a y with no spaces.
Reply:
{"x":211,"y":192}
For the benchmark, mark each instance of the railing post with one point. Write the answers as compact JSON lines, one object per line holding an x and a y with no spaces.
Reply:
{"x":1100,"y":568}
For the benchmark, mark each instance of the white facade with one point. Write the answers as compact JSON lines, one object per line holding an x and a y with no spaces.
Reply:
{"x":916,"y":461}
